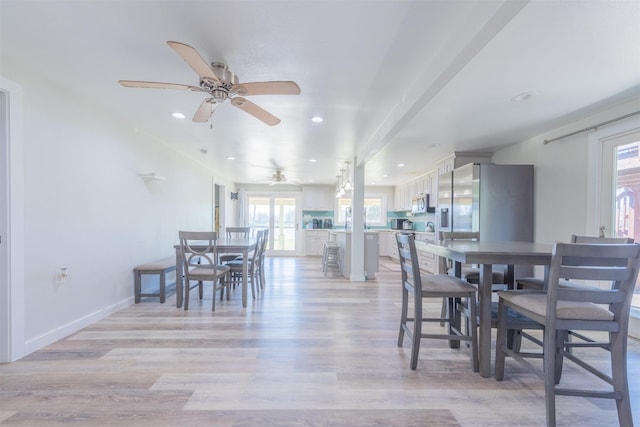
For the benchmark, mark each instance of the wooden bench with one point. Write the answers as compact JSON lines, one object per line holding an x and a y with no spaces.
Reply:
{"x":161,"y":268}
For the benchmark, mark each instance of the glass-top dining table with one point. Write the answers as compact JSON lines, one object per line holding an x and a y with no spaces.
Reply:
{"x":234,"y":246}
{"x":485,"y":254}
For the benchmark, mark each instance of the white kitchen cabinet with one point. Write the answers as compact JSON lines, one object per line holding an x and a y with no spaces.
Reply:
{"x":402,"y":197}
{"x":388,"y":247}
{"x":317,"y":198}
{"x":314,"y":241}
{"x":426,"y":259}
{"x":461,"y":158}
{"x":393,"y":250}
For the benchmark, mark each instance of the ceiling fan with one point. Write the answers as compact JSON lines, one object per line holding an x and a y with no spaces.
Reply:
{"x":278,"y":177}
{"x":221,"y":84}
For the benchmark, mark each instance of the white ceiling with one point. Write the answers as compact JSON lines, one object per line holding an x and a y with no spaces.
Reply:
{"x":396,"y":81}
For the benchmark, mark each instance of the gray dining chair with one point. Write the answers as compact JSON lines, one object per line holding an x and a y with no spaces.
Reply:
{"x":234,"y":233}
{"x":537,"y":283}
{"x":254,"y":274}
{"x":199,"y":258}
{"x":469,"y":273}
{"x":419,"y":287}
{"x":560,"y":309}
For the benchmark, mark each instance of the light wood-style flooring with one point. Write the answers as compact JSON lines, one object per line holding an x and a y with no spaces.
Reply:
{"x":310,"y":351}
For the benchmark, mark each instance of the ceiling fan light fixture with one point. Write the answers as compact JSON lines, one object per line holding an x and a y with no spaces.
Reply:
{"x":523,"y":97}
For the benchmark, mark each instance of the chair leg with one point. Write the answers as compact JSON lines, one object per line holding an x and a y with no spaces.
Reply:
{"x":455,"y":320}
{"x":443,"y":311}
{"x":417,"y":332}
{"x":200,"y":290}
{"x":619,"y":376}
{"x":187,"y":288}
{"x":403,"y":315}
{"x":561,"y":337}
{"x":549,"y":362}
{"x":213,"y":298}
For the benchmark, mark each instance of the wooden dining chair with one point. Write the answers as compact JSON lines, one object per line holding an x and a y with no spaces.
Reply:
{"x":253,"y":265}
{"x":234,"y":233}
{"x":537,"y":283}
{"x":560,"y":309}
{"x":199,"y":258}
{"x":470,"y":273}
{"x":419,"y":287}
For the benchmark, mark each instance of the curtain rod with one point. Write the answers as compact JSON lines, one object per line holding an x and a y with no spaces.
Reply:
{"x":595,"y":127}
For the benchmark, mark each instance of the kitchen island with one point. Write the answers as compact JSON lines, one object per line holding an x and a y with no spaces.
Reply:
{"x":343,"y":238}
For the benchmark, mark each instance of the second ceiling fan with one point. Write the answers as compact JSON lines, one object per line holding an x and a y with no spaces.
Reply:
{"x":222,"y":85}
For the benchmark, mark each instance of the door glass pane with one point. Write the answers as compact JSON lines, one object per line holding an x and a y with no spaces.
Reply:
{"x":284,"y":224}
{"x":258,"y":213}
{"x":627,"y":197}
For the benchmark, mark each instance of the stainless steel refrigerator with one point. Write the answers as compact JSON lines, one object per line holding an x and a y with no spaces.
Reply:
{"x":496,"y":200}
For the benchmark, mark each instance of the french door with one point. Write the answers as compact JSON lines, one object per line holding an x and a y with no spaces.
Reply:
{"x":620,"y":189}
{"x":281,"y":215}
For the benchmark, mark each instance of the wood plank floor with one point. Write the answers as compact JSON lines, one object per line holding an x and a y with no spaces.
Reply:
{"x":310,"y":351}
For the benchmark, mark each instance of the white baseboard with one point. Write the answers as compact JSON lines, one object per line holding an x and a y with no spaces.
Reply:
{"x":57,"y":334}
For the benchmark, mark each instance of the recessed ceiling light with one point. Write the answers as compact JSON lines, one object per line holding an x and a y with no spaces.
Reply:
{"x":434,"y":145}
{"x":401,"y":165}
{"x":522,"y":97}
{"x":203,"y":150}
{"x":230,"y":158}
{"x":178,"y":115}
{"x":385,"y":175}
{"x":317,"y":119}
{"x":312,"y":160}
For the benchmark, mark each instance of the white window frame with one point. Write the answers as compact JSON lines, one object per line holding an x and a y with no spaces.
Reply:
{"x":368,"y":196}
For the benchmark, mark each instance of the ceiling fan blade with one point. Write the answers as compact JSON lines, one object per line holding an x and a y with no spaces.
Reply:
{"x":205,"y":110}
{"x":195,"y":61}
{"x":257,"y":112}
{"x":157,"y":85}
{"x":267,"y":88}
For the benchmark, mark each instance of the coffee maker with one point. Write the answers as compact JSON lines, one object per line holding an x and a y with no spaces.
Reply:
{"x":327,"y":223}
{"x":317,"y":223}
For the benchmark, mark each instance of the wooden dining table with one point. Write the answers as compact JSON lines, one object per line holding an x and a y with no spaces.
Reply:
{"x":485,"y":254}
{"x":234,"y":246}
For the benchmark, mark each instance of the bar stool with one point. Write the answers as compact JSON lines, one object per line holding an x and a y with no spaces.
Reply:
{"x":331,"y":257}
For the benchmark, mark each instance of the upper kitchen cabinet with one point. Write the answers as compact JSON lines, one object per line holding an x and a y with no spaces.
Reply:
{"x":461,"y":158}
{"x":317,"y":198}
{"x":405,"y":193}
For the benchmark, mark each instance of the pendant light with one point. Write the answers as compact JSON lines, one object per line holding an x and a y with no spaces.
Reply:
{"x":347,"y":185}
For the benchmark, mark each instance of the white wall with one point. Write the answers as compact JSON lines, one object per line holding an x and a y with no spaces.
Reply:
{"x":563,"y":173}
{"x":87,"y":209}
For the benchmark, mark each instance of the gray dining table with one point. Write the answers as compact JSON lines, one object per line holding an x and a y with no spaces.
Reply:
{"x":234,"y":246}
{"x":486,"y":254}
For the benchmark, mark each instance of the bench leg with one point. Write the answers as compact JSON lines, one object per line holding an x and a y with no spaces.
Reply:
{"x":162,"y":287}
{"x":137,"y":286}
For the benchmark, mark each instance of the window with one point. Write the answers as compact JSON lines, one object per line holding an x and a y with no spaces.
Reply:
{"x":374,"y":207}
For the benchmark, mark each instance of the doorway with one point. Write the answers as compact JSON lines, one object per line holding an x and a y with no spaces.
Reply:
{"x":619,"y":191}
{"x":280,"y":214}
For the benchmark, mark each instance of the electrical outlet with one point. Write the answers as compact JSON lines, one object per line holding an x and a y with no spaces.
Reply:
{"x":62,"y":274}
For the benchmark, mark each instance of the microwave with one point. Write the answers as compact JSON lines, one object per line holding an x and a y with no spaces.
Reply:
{"x":421,"y":204}
{"x":397,"y":223}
